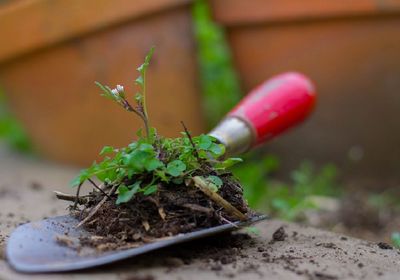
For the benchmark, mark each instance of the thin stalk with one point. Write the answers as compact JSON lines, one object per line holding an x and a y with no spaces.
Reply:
{"x":144,"y":105}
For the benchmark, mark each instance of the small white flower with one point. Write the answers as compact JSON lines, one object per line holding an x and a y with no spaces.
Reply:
{"x":115,"y":92}
{"x":120,"y":88}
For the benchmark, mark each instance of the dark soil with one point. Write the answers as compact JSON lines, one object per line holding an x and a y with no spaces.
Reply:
{"x":385,"y":246}
{"x":279,"y":234}
{"x":170,"y":211}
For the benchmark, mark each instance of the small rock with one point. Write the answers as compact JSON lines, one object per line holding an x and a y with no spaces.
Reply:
{"x":279,"y":234}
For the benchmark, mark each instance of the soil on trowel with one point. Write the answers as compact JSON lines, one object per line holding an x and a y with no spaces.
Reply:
{"x":170,"y":211}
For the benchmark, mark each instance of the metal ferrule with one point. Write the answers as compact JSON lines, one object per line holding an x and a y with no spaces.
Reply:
{"x":235,"y":134}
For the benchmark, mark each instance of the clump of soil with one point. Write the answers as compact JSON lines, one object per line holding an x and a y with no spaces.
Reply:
{"x":171,"y":210}
{"x":279,"y":235}
{"x":385,"y":246}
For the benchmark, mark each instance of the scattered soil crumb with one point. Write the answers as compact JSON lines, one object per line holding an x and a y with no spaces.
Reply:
{"x":279,"y":234}
{"x":328,"y":245}
{"x":260,"y":249}
{"x":65,"y":241}
{"x":324,"y":276}
{"x":343,"y":238}
{"x":385,"y":246}
{"x":36,"y":186}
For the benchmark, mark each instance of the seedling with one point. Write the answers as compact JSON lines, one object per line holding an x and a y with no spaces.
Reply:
{"x":145,"y":187}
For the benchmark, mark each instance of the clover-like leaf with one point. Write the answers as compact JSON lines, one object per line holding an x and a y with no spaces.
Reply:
{"x":150,"y":189}
{"x":217,"y":149}
{"x":176,"y":167}
{"x":152,"y":164}
{"x":125,"y":194}
{"x":106,"y":150}
{"x":205,"y":142}
{"x":215,"y":180}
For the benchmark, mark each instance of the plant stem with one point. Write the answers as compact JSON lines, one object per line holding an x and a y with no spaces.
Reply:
{"x":98,"y":188}
{"x":196,"y":153}
{"x":144,"y":105}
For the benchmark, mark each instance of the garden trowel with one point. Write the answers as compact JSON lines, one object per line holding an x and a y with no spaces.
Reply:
{"x":267,"y":111}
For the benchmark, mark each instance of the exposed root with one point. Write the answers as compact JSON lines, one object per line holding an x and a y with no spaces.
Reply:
{"x":97,"y":207}
{"x":172,"y":210}
{"x":203,"y":186}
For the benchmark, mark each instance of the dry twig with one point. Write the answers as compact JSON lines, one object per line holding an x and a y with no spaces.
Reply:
{"x":203,"y":186}
{"x":72,"y":198}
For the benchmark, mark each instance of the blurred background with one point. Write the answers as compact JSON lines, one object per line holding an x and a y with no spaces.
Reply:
{"x":340,"y":170}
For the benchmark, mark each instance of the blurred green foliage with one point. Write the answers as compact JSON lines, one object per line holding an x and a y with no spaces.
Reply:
{"x":387,"y":199}
{"x":11,"y":130}
{"x":396,"y":239}
{"x":219,"y":81}
{"x":221,"y":92}
{"x":285,"y":200}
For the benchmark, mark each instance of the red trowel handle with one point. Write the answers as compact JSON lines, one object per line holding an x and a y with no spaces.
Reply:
{"x":268,"y":110}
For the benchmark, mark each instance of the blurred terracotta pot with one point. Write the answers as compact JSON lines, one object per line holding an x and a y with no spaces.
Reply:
{"x":55,"y":51}
{"x":351,"y":49}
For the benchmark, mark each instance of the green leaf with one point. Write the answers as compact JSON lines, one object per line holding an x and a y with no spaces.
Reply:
{"x":161,"y":175}
{"x":81,"y":178}
{"x":106,"y":91}
{"x":153,"y":164}
{"x":76,"y":181}
{"x":217,"y":149}
{"x":175,"y":168}
{"x":147,"y":59}
{"x":215,"y":180}
{"x":139,"y":133}
{"x":150,"y":190}
{"x":139,"y":81}
{"x":210,"y":184}
{"x":227,"y":163}
{"x":146,"y":147}
{"x":138,"y":96}
{"x":125,"y":194}
{"x":106,"y":150}
{"x":142,"y":68}
{"x":204,"y":142}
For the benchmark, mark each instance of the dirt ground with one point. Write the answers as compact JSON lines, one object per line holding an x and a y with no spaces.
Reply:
{"x":294,"y":252}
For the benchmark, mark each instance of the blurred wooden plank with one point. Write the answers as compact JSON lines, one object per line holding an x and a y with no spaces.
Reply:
{"x":32,"y":24}
{"x":238,"y":12}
